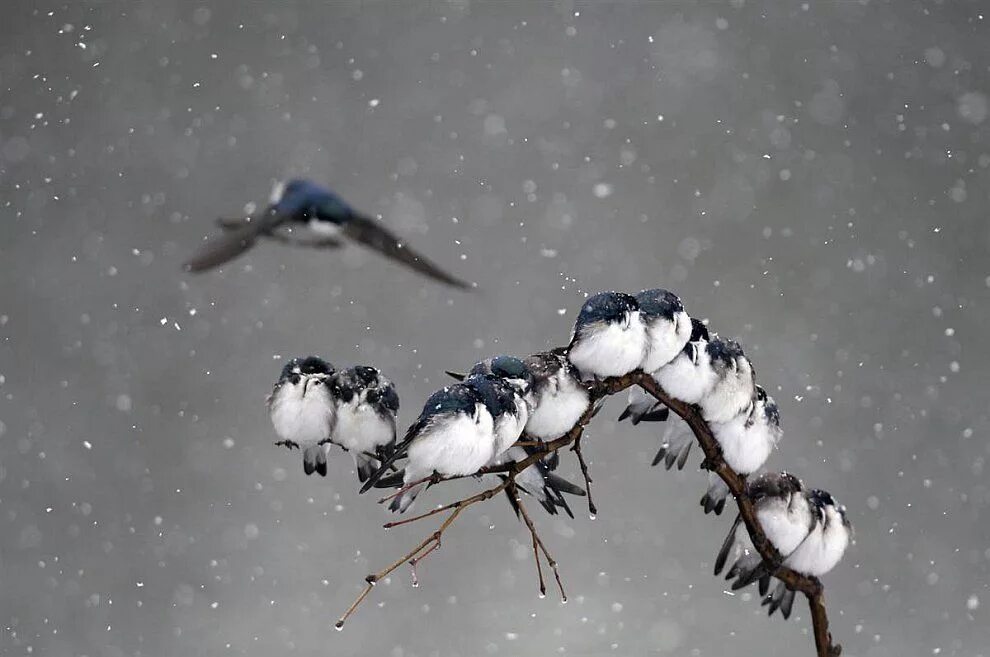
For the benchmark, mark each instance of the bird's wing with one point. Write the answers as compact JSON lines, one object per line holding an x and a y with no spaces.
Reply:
{"x":375,"y":236}
{"x":232,"y":243}
{"x":288,"y":235}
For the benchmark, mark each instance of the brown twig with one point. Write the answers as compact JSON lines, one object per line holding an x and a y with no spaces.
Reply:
{"x":538,"y":542}
{"x":576,"y":448}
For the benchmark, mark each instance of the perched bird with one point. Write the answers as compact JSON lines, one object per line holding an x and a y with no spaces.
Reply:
{"x":690,"y":375}
{"x":668,"y":329}
{"x":366,"y":405}
{"x":734,"y":385}
{"x":302,"y":209}
{"x":808,"y":528}
{"x":303,"y":411}
{"x":609,"y":337}
{"x":746,"y":441}
{"x":454,"y":435}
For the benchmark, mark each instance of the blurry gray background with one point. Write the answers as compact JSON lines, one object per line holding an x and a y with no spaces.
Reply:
{"x":810,"y":177}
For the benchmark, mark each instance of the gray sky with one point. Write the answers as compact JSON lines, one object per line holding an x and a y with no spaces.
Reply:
{"x":810,"y":178}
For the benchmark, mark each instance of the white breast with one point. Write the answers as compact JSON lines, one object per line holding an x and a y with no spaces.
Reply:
{"x":731,"y":393}
{"x":611,"y":349}
{"x":665,"y":339}
{"x":455,"y":446}
{"x":785,"y":524}
{"x":509,"y":427}
{"x":746,"y":445}
{"x":824,"y":547}
{"x":558,"y":409}
{"x":305,"y":419}
{"x":686,"y":380}
{"x":360,"y":428}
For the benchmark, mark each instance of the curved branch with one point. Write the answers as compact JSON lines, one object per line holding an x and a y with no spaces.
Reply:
{"x":811,"y":587}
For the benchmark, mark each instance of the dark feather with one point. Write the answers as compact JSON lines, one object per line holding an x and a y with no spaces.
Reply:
{"x":723,"y":552}
{"x":455,"y":375}
{"x":232,"y":243}
{"x":372,"y":234}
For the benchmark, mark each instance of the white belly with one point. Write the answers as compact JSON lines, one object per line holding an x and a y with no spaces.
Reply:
{"x":683,"y":380}
{"x":730,"y":395}
{"x":508,"y":427}
{"x":302,"y":419}
{"x":785,"y":526}
{"x":611,"y":350}
{"x":665,"y":339}
{"x":361,"y":429}
{"x":823,"y":549}
{"x":458,"y":446}
{"x":745,"y":449}
{"x":558,"y":409}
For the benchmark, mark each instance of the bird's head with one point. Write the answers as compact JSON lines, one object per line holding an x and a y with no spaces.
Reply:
{"x":508,"y":368}
{"x":773,"y":485}
{"x":607,"y":308}
{"x":658,"y":303}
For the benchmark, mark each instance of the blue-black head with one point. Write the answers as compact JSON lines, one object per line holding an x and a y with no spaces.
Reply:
{"x":773,"y":485}
{"x":659,"y":303}
{"x":724,"y":350}
{"x":608,"y":307}
{"x":698,"y":331}
{"x":385,"y":396}
{"x":492,"y":392}
{"x":310,"y":365}
{"x":302,"y":200}
{"x":504,"y":367}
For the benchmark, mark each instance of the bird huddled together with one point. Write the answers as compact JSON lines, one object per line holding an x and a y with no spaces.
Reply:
{"x":505,"y":408}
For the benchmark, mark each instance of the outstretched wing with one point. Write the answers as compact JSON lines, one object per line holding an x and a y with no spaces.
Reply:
{"x":232,"y":243}
{"x":375,"y":236}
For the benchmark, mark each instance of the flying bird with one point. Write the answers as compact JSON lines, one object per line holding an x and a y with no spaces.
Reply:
{"x":609,"y":337}
{"x":366,"y":406}
{"x":304,"y":213}
{"x":303,"y":411}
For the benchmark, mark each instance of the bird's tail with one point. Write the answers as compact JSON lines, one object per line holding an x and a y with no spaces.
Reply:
{"x":644,"y":408}
{"x":315,"y":460}
{"x":365,"y":466}
{"x":782,"y":598}
{"x":676,"y":446}
{"x":401,"y":503}
{"x":546,"y":487}
{"x":714,"y":498}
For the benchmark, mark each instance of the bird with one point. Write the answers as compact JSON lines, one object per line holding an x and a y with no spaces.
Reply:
{"x":609,"y":337}
{"x":668,"y":329}
{"x":304,"y":213}
{"x":303,"y":411}
{"x":513,"y":381}
{"x":455,"y":435}
{"x":808,"y":528}
{"x":366,"y":409}
{"x":746,"y":441}
{"x":735,"y":381}
{"x":690,"y":375}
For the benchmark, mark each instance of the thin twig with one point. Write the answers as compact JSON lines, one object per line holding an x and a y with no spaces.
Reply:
{"x":576,"y":448}
{"x":538,"y":542}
